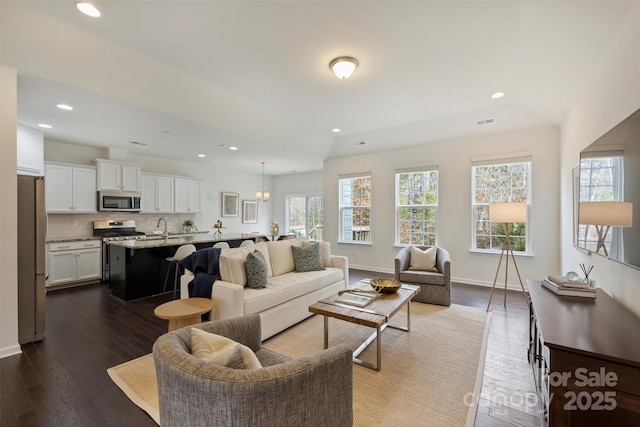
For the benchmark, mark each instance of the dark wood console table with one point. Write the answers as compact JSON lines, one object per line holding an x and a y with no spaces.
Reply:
{"x":585,"y":356}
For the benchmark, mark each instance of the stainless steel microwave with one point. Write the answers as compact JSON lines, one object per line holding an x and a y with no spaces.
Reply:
{"x":118,"y":201}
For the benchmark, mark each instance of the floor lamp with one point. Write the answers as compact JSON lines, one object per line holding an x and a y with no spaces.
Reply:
{"x":604,"y":215}
{"x":507,"y":213}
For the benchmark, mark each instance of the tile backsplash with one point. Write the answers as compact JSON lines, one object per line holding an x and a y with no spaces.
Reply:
{"x":77,"y":225}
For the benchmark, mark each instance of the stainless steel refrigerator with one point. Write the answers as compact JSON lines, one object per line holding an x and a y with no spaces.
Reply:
{"x":31,"y":252}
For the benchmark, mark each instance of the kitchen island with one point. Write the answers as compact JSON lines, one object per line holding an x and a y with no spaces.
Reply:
{"x":137,"y":268}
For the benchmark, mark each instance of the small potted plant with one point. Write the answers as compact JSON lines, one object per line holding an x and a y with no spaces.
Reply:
{"x":188,"y":225}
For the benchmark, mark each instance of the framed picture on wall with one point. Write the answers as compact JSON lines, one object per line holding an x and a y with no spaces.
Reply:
{"x":249,"y":211}
{"x":230,"y":204}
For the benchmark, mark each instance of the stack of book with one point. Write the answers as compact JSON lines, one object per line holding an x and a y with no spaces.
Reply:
{"x":560,"y":285}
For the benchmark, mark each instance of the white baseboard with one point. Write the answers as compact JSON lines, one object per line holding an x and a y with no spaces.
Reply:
{"x":10,"y":351}
{"x":510,"y":286}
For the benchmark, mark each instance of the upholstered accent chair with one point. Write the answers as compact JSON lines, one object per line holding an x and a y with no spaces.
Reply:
{"x":435,"y":286}
{"x":314,"y":390}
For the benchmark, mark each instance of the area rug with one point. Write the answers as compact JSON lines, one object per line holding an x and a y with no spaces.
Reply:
{"x":431,"y":375}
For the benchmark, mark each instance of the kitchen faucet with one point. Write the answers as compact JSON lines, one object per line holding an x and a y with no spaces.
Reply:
{"x":166,"y":234}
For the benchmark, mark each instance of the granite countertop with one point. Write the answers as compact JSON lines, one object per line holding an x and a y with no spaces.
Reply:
{"x":182,"y":239}
{"x":71,"y":239}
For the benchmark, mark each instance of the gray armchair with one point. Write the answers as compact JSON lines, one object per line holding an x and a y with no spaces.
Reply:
{"x":312,"y":390}
{"x":435,"y":287}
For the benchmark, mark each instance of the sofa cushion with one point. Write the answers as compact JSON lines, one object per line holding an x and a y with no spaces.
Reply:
{"x":232,"y":268}
{"x":257,"y":273}
{"x":307,"y":258}
{"x":423,"y":260}
{"x":288,"y":286}
{"x":281,"y":256}
{"x":222,"y":350}
{"x":325,"y":251}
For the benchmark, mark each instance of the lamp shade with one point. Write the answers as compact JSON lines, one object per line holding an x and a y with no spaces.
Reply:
{"x":508,"y":212}
{"x":618,"y":214}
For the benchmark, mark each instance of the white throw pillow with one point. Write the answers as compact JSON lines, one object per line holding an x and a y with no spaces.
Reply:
{"x":222,"y":351}
{"x":423,"y":260}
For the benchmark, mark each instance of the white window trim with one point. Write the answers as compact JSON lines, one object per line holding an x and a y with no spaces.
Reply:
{"x":340,"y":209}
{"x":399,"y":171}
{"x":517,"y":157}
{"x":306,"y":195}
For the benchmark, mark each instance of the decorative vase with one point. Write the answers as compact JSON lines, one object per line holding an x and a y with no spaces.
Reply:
{"x":275,"y":229}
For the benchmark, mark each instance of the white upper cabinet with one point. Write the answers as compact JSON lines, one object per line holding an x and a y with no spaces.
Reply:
{"x":70,"y":189}
{"x":187,"y":194}
{"x":118,"y":176}
{"x":157,"y":194}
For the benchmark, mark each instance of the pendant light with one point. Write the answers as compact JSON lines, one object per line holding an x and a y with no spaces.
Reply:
{"x":263,"y":195}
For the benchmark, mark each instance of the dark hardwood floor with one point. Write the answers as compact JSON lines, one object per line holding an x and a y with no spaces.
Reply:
{"x":62,"y":381}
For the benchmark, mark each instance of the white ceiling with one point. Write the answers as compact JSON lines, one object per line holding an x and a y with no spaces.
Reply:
{"x":189,"y":77}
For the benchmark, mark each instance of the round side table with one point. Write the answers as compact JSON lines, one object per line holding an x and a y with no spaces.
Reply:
{"x":183,"y":312}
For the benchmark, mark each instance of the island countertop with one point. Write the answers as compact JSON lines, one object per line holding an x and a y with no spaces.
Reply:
{"x":183,"y":239}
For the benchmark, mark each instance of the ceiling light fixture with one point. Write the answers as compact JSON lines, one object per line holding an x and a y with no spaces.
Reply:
{"x":202,"y":155}
{"x":46,"y":126}
{"x":64,"y":107}
{"x":232,"y":148}
{"x":262,"y":195}
{"x":497,"y":95}
{"x":88,"y":9}
{"x":335,"y":130}
{"x":343,"y":66}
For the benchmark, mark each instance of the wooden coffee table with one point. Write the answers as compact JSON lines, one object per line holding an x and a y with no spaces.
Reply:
{"x":375,"y":315}
{"x":183,"y":312}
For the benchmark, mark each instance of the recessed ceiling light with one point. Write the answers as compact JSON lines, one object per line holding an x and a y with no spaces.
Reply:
{"x":202,"y":155}
{"x":46,"y":126}
{"x":497,"y":95}
{"x":361,"y":143}
{"x":166,"y":131}
{"x":137,"y":143}
{"x":88,"y":9}
{"x":335,"y":130}
{"x":64,"y":107}
{"x":233,"y":148}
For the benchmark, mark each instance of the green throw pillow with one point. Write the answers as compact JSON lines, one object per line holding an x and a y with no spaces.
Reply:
{"x":307,"y":258}
{"x":257,"y":273}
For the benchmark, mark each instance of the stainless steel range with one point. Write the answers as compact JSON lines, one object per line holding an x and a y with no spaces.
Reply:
{"x":114,"y":230}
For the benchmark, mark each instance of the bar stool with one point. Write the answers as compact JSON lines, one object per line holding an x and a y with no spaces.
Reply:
{"x":221,"y":245}
{"x":247,"y":242}
{"x":182,"y":252}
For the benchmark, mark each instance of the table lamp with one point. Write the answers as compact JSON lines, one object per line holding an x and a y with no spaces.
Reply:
{"x":605,"y":215}
{"x":507,"y":213}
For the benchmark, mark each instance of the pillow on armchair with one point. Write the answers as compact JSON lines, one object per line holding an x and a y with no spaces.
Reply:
{"x":423,"y":260}
{"x":222,"y":350}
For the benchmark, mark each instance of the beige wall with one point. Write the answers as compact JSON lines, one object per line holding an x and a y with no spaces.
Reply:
{"x":612,"y":96}
{"x":454,"y":218}
{"x":8,"y":214}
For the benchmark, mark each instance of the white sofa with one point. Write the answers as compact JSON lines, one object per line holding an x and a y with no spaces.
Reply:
{"x":286,"y":299}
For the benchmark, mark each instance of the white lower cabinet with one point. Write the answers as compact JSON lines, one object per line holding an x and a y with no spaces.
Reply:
{"x":75,"y":261}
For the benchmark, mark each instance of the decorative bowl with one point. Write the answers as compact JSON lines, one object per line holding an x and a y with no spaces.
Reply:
{"x":385,"y":285}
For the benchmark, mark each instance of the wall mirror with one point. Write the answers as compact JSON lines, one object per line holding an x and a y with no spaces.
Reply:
{"x":609,"y":171}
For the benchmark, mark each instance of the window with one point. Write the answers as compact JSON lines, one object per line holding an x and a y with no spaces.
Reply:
{"x":304,"y":215}
{"x":499,"y":180}
{"x":355,"y":208}
{"x":600,"y":181}
{"x":417,"y":206}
